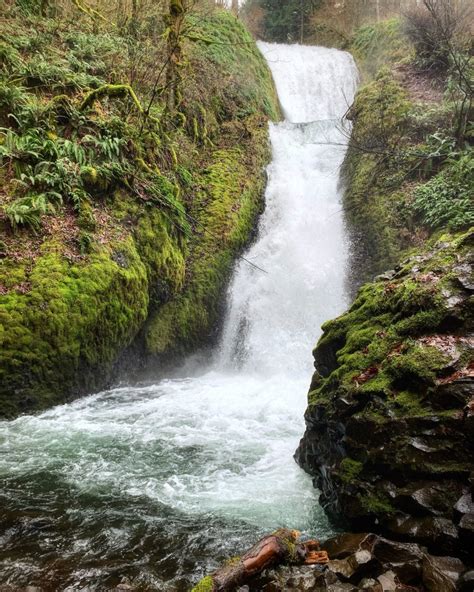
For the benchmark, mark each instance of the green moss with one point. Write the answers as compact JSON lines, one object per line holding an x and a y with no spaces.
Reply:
{"x":409,"y":403}
{"x":377,"y":342}
{"x":225,"y":211}
{"x":349,"y":469}
{"x":416,"y":365}
{"x":205,"y":585}
{"x":224,"y":41}
{"x":151,"y":222}
{"x":376,"y":504}
{"x":63,"y":323}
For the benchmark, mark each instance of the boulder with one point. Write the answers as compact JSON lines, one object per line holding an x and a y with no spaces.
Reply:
{"x":441,"y":574}
{"x":389,"y":435}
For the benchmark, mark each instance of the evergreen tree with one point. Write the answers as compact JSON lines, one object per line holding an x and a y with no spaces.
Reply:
{"x":285,"y":20}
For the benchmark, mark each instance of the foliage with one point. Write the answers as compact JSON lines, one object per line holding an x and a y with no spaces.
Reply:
{"x":27,"y":211}
{"x":376,"y":45}
{"x":434,"y":28}
{"x":446,"y":199}
{"x":107,"y":216}
{"x":285,"y":21}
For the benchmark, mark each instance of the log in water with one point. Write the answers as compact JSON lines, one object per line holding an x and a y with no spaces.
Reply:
{"x":158,"y":483}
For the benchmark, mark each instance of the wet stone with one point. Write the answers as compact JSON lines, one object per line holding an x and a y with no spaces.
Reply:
{"x":441,"y":574}
{"x":466,"y":581}
{"x":347,"y":544}
{"x":465,"y":504}
{"x":388,"y":582}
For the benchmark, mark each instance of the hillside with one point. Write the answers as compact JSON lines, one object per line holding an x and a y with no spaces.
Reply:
{"x":128,"y":188}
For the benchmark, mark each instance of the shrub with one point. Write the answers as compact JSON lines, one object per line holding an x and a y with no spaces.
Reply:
{"x":446,"y":199}
{"x":27,"y":211}
{"x":436,"y":30}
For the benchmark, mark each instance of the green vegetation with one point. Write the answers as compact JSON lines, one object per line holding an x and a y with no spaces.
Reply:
{"x":349,"y":469}
{"x":379,"y":343}
{"x":205,"y":585}
{"x":120,"y":217}
{"x":284,"y":21}
{"x":409,"y":169}
{"x":377,"y":45}
{"x":376,"y":504}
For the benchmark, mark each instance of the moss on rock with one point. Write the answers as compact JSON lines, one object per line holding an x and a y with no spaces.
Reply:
{"x":388,"y":407}
{"x":136,"y":254}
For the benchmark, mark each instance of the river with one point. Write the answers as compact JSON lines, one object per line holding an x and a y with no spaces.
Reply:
{"x":158,"y":483}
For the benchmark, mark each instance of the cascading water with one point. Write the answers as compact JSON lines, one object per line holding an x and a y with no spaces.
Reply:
{"x":159,"y":483}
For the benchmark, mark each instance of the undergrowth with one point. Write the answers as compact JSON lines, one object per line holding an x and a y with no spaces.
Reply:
{"x":109,"y":213}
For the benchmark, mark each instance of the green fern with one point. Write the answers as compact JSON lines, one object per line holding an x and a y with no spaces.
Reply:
{"x":27,"y":211}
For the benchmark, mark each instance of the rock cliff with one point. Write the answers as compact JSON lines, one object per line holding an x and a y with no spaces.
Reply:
{"x":390,"y":420}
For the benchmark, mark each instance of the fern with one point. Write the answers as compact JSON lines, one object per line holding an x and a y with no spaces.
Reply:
{"x":446,"y":199}
{"x":27,"y":211}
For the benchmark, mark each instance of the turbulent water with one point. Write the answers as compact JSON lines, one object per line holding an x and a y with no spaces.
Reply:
{"x":158,"y":483}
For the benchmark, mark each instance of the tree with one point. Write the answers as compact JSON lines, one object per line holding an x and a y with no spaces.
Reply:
{"x":284,"y":20}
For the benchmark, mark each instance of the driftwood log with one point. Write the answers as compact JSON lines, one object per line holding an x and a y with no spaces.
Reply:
{"x":282,"y":546}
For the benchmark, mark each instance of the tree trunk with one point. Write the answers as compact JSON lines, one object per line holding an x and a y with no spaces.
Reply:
{"x":174,"y":54}
{"x":235,"y":7}
{"x":280,"y":547}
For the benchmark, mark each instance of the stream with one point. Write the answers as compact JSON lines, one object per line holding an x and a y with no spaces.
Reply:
{"x":158,"y":483}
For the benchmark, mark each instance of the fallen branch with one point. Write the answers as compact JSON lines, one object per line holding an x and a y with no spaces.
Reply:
{"x":280,"y":547}
{"x":111,"y":90}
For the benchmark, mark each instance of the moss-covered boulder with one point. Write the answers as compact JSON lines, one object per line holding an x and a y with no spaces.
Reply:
{"x":390,"y":418}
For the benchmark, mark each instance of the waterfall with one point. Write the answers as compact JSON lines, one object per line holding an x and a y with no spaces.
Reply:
{"x":173,"y":475}
{"x":274,"y":317}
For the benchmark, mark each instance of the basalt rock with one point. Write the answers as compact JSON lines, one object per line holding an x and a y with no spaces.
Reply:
{"x":390,"y":420}
{"x":371,"y":563}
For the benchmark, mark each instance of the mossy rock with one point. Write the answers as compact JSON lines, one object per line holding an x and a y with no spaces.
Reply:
{"x":139,"y":262}
{"x":387,"y":406}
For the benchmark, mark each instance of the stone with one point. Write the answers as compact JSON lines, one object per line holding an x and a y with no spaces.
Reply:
{"x":346,"y":544}
{"x":434,"y":498}
{"x":432,"y":531}
{"x":352,"y":565}
{"x":441,"y":574}
{"x":390,"y":426}
{"x":404,"y":559}
{"x":466,"y":581}
{"x":464,"y":505}
{"x":388,"y":582}
{"x":370,"y":585}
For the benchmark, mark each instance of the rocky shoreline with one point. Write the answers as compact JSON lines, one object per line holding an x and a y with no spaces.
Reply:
{"x":372,"y":563}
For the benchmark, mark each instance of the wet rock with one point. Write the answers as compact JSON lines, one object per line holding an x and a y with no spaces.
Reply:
{"x":441,"y":574}
{"x":464,"y":505}
{"x":370,"y":585}
{"x":465,"y":276}
{"x":454,"y":392}
{"x":466,"y":531}
{"x":388,"y":582}
{"x":466,"y":581}
{"x":429,"y":498}
{"x":404,"y":559}
{"x":438,"y":533}
{"x":353,"y":565}
{"x":347,"y":544}
{"x":390,"y":422}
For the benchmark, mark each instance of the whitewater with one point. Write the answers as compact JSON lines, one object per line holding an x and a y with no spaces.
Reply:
{"x":159,"y":482}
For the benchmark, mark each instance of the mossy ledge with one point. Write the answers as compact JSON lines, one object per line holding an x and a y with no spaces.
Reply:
{"x":134,"y":267}
{"x":390,"y":423}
